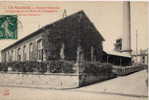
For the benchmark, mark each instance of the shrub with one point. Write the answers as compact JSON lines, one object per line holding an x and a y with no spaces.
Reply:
{"x":67,"y":67}
{"x":4,"y":67}
{"x":41,"y":67}
{"x":97,"y":68}
{"x":54,"y":67}
{"x":27,"y":66}
{"x":60,"y":66}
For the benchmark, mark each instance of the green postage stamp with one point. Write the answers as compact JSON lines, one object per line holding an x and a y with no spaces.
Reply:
{"x":8,"y":26}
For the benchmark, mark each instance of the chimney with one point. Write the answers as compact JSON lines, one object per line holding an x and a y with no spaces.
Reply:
{"x":126,"y":37}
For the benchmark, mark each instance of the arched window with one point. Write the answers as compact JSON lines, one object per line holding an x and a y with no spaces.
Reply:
{"x":39,"y":50}
{"x":12,"y":55}
{"x":19,"y":55}
{"x":7,"y":56}
{"x":24,"y":53}
{"x":30,"y":51}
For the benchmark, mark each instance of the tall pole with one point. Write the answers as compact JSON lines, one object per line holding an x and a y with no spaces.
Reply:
{"x":136,"y":46}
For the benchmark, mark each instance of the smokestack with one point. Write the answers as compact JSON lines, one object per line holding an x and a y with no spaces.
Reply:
{"x":126,"y":37}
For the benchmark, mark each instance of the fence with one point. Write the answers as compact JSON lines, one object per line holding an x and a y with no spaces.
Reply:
{"x":128,"y":69}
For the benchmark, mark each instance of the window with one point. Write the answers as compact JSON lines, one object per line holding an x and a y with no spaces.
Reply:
{"x":11,"y":55}
{"x":7,"y":56}
{"x":118,"y":45}
{"x":19,"y":55}
{"x":143,"y":59}
{"x":30,"y":51}
{"x":24,"y":53}
{"x":39,"y":50}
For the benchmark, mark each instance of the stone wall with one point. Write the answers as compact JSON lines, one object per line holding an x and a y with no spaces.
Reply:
{"x":54,"y":81}
{"x":85,"y":74}
{"x":88,"y":78}
{"x":51,"y":81}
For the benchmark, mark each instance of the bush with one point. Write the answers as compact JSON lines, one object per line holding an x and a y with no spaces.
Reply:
{"x":27,"y":66}
{"x":67,"y":67}
{"x":4,"y":67}
{"x":60,"y":67}
{"x":41,"y":67}
{"x":97,"y":68}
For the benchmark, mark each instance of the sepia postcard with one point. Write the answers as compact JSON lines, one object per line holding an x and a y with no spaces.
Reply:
{"x":76,"y":50}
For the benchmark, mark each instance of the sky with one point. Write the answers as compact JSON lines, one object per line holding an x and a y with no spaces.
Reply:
{"x":106,"y":17}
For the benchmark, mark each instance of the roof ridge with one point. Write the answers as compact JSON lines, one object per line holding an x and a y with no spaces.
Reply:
{"x":40,"y":29}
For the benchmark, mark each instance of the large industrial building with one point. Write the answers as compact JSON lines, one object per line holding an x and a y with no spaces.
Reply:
{"x":71,"y":38}
{"x":63,"y":39}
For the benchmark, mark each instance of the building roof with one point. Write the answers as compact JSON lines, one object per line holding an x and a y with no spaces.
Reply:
{"x":115,"y":53}
{"x":77,"y":15}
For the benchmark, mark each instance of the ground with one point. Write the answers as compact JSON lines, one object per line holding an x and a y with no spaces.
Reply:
{"x":130,"y":87}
